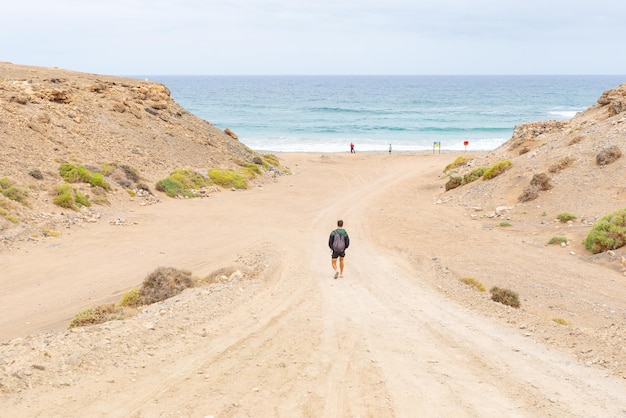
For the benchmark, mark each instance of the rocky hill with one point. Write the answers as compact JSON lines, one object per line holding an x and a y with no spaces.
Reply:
{"x":50,"y":116}
{"x":579,"y":161}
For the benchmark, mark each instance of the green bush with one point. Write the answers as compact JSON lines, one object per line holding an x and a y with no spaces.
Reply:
{"x":69,"y":198}
{"x":64,"y":197}
{"x":564,"y":217}
{"x":170,"y":187}
{"x":505,"y":297}
{"x":80,"y":174}
{"x":228,"y":178}
{"x":182,"y":183}
{"x":497,"y":169}
{"x":189,"y":179}
{"x":474,"y":175}
{"x":609,"y":233}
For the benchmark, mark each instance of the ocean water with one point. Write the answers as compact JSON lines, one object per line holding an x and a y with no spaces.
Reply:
{"x":412,"y":113}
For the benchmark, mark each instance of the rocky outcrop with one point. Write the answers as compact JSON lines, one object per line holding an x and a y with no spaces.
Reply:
{"x":532,"y":130}
{"x":614,"y":100}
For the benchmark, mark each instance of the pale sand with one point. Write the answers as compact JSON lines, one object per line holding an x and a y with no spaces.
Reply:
{"x":398,"y":335}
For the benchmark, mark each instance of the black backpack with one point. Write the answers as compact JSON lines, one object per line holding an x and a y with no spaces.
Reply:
{"x":339,"y":242}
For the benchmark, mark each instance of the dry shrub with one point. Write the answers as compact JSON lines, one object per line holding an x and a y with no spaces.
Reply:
{"x":542,"y":181}
{"x":453,"y":183}
{"x":539,"y":182}
{"x":524,"y":150}
{"x":164,"y":283}
{"x":505,"y":297}
{"x":575,"y":140}
{"x":99,"y":315}
{"x":608,"y":155}
{"x":561,"y":164}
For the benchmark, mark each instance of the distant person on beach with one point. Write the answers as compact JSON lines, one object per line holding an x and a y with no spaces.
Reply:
{"x":338,"y":242}
{"x":352,"y":150}
{"x":389,"y":148}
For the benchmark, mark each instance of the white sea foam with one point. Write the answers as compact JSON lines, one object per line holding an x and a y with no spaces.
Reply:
{"x":564,"y":114}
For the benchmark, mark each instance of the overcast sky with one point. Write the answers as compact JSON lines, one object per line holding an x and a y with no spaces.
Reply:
{"x":150,"y":37}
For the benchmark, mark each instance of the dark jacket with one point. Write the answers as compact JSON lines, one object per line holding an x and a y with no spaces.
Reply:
{"x":338,"y":231}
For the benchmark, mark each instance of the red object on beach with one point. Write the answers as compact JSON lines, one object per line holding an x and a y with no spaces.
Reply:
{"x":466,"y":143}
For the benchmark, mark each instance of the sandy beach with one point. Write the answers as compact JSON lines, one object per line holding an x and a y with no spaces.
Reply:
{"x":398,"y":335}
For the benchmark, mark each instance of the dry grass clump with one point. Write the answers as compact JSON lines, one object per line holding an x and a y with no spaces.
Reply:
{"x":561,"y":164}
{"x":608,"y":155}
{"x":99,"y":315}
{"x":460,"y":161}
{"x":575,"y":140}
{"x":131,"y":298}
{"x":557,"y":241}
{"x":472,"y":282}
{"x":560,"y":321}
{"x":505,"y":297}
{"x":565,"y":217}
{"x":164,"y":283}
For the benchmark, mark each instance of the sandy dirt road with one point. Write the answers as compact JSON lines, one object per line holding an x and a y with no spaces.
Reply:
{"x":292,"y":342}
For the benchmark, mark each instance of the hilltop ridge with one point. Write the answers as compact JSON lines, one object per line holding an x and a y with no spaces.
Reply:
{"x":50,"y":116}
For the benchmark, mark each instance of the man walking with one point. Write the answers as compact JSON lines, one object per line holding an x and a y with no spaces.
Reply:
{"x":338,"y":242}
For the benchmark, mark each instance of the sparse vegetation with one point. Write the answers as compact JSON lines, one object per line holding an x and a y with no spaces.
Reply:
{"x":460,"y":161}
{"x":557,"y":240}
{"x":560,"y":321}
{"x":575,"y":140}
{"x":50,"y":233}
{"x":561,"y":164}
{"x":228,"y":178}
{"x":505,"y":224}
{"x":16,"y":193}
{"x":505,"y":297}
{"x":497,"y":169}
{"x":565,"y":217}
{"x":472,"y":282}
{"x":609,"y":233}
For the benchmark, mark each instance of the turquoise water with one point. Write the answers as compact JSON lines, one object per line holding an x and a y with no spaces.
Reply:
{"x":326,"y":113}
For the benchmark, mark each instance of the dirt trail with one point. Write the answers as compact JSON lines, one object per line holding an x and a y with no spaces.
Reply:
{"x":379,"y":342}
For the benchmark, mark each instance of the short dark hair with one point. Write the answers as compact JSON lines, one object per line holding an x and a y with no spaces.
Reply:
{"x":339,"y":223}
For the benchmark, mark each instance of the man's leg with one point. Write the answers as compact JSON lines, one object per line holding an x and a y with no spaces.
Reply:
{"x":334,"y":263}
{"x":340,"y":266}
